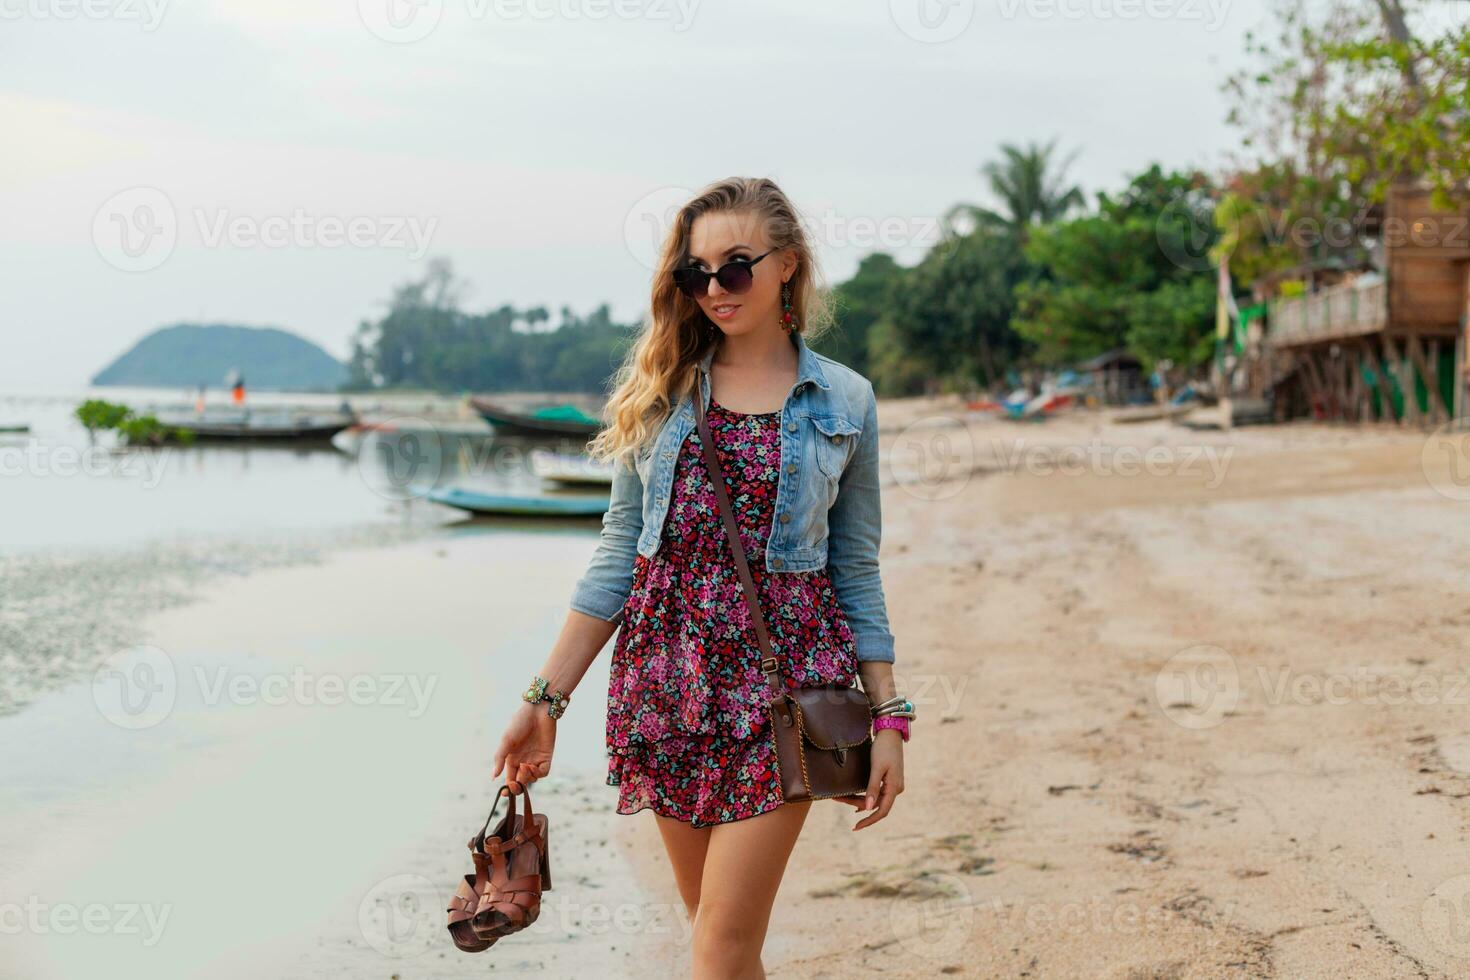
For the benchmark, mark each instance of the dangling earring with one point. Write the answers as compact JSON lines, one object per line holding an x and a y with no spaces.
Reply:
{"x":788,"y":319}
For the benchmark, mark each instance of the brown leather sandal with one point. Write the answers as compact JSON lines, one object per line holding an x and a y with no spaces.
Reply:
{"x":466,"y":899}
{"x":461,"y":907}
{"x":519,"y":869}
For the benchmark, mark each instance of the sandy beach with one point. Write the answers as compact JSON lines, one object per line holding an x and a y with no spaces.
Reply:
{"x":1191,"y":705}
{"x":1173,"y":725}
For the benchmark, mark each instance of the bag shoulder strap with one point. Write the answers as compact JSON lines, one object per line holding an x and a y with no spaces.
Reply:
{"x":732,"y":532}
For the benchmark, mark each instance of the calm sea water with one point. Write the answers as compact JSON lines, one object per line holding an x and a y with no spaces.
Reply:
{"x":60,"y":489}
{"x":215,"y":774}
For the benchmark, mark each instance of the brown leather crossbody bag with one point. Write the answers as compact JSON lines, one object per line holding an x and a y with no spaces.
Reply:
{"x":824,"y":734}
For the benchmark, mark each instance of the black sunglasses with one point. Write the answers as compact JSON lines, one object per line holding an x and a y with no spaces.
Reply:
{"x":735,"y":277}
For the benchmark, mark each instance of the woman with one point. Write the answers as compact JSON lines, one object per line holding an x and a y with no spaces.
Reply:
{"x":796,"y":436}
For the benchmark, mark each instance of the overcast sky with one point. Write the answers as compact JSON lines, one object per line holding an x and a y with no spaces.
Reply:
{"x":287,"y":162}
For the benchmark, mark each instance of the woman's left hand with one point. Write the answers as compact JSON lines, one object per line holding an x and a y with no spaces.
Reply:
{"x":885,"y":780}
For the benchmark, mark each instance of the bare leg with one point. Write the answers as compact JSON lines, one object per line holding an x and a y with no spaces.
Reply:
{"x":686,"y":845}
{"x":743,"y":867}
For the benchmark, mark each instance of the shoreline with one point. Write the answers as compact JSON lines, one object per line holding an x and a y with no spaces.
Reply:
{"x":364,"y":805}
{"x":1078,"y":804}
{"x":66,"y":609}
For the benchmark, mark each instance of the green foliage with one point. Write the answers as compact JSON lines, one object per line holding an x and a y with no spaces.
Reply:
{"x":1032,"y":190}
{"x":950,"y":322}
{"x":96,"y":414}
{"x":136,"y":430}
{"x":427,"y":342}
{"x":1174,"y":322}
{"x":1345,"y":99}
{"x":858,"y":305}
{"x":1137,"y":275}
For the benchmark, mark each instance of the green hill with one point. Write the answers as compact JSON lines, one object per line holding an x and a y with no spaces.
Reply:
{"x":186,"y":355}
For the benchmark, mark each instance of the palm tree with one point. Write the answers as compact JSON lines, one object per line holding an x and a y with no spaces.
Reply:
{"x":1030,"y":188}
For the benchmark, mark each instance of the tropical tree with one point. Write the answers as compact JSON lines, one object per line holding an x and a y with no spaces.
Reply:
{"x":1031,"y":188}
{"x":425,"y":341}
{"x":1347,"y":98}
{"x":1136,"y":274}
{"x":858,"y":304}
{"x":950,"y":323}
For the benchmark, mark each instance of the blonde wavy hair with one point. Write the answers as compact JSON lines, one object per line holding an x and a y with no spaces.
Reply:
{"x":660,"y":367}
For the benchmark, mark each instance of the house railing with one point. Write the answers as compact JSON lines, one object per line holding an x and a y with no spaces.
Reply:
{"x":1346,"y":310}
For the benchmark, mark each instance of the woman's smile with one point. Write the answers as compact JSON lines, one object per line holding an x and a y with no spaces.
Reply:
{"x":725,"y":311}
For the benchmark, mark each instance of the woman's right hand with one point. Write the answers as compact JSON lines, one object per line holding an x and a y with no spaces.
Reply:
{"x":525,"y":749}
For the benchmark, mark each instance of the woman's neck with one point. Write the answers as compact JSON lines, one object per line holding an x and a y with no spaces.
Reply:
{"x":760,"y":349}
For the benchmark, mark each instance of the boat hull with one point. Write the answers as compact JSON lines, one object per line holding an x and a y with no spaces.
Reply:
{"x":494,"y":503}
{"x":521,"y":423}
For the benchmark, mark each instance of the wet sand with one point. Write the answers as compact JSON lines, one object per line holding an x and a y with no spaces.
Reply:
{"x":1191,"y":706}
{"x":297,"y":796}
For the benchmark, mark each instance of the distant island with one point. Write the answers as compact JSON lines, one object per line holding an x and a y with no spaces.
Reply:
{"x":187,"y":355}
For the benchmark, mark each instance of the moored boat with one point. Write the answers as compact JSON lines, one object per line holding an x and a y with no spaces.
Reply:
{"x":570,"y":468}
{"x":249,"y":425}
{"x":477,"y":502}
{"x":552,"y":420}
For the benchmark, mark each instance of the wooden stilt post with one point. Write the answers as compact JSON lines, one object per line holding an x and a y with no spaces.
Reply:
{"x":1446,"y":412}
{"x":1385,"y":390}
{"x":1410,"y":414}
{"x":1315,"y":389}
{"x":1462,"y":375}
{"x":1416,"y":358}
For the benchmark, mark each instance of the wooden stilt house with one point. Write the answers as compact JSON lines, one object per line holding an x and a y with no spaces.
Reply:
{"x":1386,"y":342}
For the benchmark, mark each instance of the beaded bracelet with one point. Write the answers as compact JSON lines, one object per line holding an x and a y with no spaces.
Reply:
{"x":901,"y":725}
{"x":556,"y":701}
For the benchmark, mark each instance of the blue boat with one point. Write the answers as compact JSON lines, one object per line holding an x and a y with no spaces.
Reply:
{"x":498,"y":503}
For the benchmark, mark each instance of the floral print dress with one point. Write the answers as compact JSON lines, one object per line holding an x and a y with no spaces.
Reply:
{"x":687,"y":729}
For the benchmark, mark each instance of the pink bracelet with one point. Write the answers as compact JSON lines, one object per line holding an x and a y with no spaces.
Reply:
{"x":900,"y":724}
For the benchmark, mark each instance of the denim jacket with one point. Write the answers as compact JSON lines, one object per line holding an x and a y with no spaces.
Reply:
{"x":827,"y":509}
